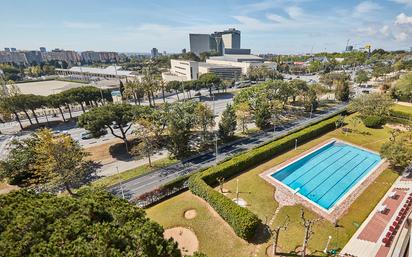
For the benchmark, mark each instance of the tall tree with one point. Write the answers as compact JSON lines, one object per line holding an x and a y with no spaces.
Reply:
{"x":145,"y":131}
{"x":361,"y":77}
{"x":180,"y":121}
{"x":56,"y":101}
{"x":98,"y":119}
{"x":342,"y":90}
{"x":47,"y":161}
{"x":243,"y":115}
{"x":204,"y":119}
{"x":262,"y":114}
{"x":209,"y":80}
{"x":227,"y":125}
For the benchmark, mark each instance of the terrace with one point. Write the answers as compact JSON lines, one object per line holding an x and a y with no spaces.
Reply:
{"x":386,"y":231}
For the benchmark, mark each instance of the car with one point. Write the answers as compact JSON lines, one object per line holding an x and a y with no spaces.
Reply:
{"x":86,"y":135}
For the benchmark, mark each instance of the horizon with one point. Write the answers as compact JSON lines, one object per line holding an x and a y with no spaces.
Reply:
{"x":267,"y":26}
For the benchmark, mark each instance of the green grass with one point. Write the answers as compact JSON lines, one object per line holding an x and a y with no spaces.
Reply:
{"x":402,"y":108}
{"x":114,"y":179}
{"x":215,"y":237}
{"x":259,"y":196}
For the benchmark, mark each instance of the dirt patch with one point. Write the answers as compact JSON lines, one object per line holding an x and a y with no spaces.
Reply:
{"x":101,"y":152}
{"x":397,"y":126}
{"x":190,"y":214}
{"x":239,"y":201}
{"x":5,"y":188}
{"x":186,"y":239}
{"x":269,"y":251}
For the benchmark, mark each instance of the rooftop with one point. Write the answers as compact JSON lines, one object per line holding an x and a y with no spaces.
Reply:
{"x":237,"y":58}
{"x":110,"y":70}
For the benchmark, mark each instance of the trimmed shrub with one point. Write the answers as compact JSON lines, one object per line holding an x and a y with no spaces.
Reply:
{"x":400,"y":114}
{"x":243,"y":221}
{"x":372,"y":121}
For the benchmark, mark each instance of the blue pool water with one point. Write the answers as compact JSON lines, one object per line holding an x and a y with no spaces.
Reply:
{"x":325,"y":175}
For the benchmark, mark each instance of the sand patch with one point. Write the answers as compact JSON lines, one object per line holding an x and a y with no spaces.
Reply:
{"x":190,"y":214}
{"x":397,"y":126}
{"x":186,"y":239}
{"x":241,"y":202}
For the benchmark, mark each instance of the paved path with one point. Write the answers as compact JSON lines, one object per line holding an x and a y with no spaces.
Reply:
{"x":139,"y":185}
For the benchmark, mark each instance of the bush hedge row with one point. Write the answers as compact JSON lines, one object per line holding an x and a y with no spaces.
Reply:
{"x":372,"y":121}
{"x":400,"y":114}
{"x":243,"y":221}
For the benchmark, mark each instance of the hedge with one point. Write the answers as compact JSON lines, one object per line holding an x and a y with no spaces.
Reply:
{"x":400,"y":114}
{"x":243,"y":221}
{"x":372,"y":121}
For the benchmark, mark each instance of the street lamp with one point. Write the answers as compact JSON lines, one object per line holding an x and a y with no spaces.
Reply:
{"x":327,"y":244}
{"x":214,"y":114}
{"x":121,"y":182}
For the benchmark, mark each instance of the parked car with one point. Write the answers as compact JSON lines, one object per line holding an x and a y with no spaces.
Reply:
{"x":86,"y":135}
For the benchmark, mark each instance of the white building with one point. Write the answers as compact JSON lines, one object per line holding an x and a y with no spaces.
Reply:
{"x":181,"y":70}
{"x":226,"y":67}
{"x":89,"y":73}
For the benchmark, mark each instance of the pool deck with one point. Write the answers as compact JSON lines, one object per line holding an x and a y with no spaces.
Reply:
{"x":368,"y":240}
{"x":286,"y":196}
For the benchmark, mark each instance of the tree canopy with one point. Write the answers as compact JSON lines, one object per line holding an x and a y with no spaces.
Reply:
{"x":47,"y":162}
{"x":94,"y":223}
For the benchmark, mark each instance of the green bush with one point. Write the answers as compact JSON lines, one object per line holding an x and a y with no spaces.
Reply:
{"x":243,"y":221}
{"x":372,"y":121}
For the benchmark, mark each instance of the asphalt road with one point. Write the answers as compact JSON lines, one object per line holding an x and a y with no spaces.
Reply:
{"x":139,"y":185}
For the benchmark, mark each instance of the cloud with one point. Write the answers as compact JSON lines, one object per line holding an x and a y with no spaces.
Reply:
{"x":250,"y":23}
{"x":294,"y":12}
{"x":81,"y":25}
{"x":405,"y":2}
{"x":277,"y":18}
{"x":402,"y":19}
{"x":402,"y":36}
{"x":366,"y":7}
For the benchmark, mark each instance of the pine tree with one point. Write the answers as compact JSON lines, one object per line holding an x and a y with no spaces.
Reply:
{"x":262,"y":114}
{"x":227,"y":124}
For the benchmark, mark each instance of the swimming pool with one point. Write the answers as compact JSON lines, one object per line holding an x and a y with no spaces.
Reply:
{"x":325,"y":175}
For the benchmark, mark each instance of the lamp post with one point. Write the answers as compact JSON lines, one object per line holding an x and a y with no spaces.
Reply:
{"x":237,"y":191}
{"x":214,"y":114}
{"x":327,"y":244}
{"x":296,"y":143}
{"x":121,"y":183}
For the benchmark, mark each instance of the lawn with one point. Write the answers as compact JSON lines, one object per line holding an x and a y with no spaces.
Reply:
{"x":128,"y":174}
{"x":259,"y":196}
{"x":402,"y":108}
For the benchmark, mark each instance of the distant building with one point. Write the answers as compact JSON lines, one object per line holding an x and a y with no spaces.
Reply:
{"x":349,"y":48}
{"x":43,"y":49}
{"x":181,"y":70}
{"x":34,"y":57}
{"x":6,"y":49}
{"x":154,"y":52}
{"x":95,"y":74}
{"x":200,"y":43}
{"x":93,"y":57}
{"x":226,"y":67}
{"x":13,"y":49}
{"x":13,"y":57}
{"x":220,"y":42}
{"x":183,"y":50}
{"x":61,"y":55}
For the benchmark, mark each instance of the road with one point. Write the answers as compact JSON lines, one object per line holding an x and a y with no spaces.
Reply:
{"x":137,"y":186}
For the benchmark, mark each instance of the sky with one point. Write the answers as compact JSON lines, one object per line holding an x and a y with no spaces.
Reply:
{"x":267,"y":26}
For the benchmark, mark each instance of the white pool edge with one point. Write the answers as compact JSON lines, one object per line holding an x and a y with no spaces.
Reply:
{"x":346,"y":195}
